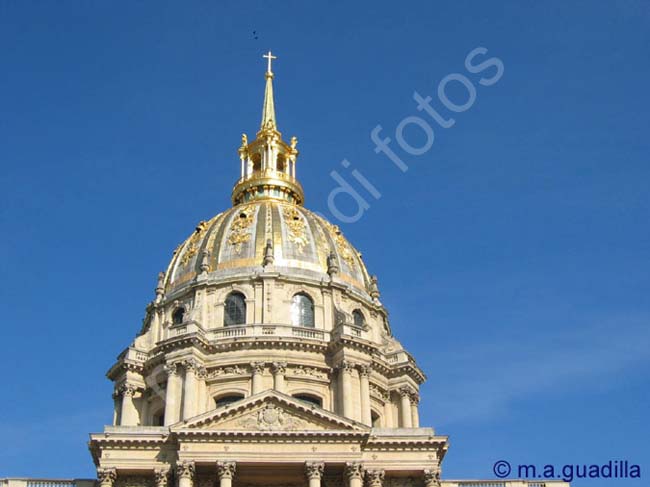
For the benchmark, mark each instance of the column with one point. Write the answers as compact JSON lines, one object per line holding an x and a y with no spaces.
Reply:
{"x":225,"y":472}
{"x":106,"y":476}
{"x":415,"y":415}
{"x":388,"y":411}
{"x":279,"y":370}
{"x":364,"y":373}
{"x":314,"y":472}
{"x":345,"y":376}
{"x":173,"y":394}
{"x":405,"y":408}
{"x":161,"y":476}
{"x":190,"y":389}
{"x":354,"y":474}
{"x":375,"y":478}
{"x":117,"y":407}
{"x":257,"y":368}
{"x":432,"y":477}
{"x":185,"y":473}
{"x":129,"y":416}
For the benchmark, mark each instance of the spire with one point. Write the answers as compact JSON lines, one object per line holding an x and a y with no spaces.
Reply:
{"x":268,"y":163}
{"x":268,"y":110}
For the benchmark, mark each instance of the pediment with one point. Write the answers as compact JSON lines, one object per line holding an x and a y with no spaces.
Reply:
{"x":269,"y":411}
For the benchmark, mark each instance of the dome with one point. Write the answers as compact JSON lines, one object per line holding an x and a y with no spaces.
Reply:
{"x":266,"y":234}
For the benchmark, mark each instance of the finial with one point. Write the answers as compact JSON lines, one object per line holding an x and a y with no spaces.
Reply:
{"x":244,"y":140}
{"x":332,"y":266}
{"x":268,"y":254}
{"x":268,"y":110}
{"x":270,"y":58}
{"x":205,"y":262}
{"x":294,"y":142}
{"x":160,"y":287}
{"x":374,"y":289}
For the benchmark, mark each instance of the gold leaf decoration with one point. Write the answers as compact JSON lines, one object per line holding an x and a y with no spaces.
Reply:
{"x":296,"y":227}
{"x":193,"y":245}
{"x":240,"y":228}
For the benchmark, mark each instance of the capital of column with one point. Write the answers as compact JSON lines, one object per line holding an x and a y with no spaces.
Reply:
{"x":375,"y":478}
{"x":226,"y":470}
{"x":191,"y":365}
{"x":432,"y":477}
{"x":127,"y":389}
{"x":257,"y":367}
{"x":106,"y":476}
{"x":405,"y":392}
{"x":415,"y":398}
{"x":162,"y":476}
{"x":364,"y":370}
{"x":279,"y":368}
{"x":314,"y":470}
{"x":185,"y":469}
{"x":353,"y":470}
{"x":172,"y":368}
{"x":347,"y":367}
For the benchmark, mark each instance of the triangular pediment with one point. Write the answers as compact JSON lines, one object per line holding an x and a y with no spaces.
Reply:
{"x":269,"y":411}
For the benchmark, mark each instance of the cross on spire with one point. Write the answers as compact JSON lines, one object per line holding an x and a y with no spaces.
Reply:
{"x":270,"y":57}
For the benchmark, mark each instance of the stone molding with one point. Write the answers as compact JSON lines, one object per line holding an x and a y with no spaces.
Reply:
{"x":106,"y":475}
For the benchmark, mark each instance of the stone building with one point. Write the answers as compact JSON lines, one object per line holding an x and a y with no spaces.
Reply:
{"x":267,"y":357}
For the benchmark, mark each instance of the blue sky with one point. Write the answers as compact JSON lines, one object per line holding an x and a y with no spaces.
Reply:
{"x":513,"y":255}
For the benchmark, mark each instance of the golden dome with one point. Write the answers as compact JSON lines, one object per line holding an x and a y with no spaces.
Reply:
{"x":267,"y":230}
{"x":269,"y":235}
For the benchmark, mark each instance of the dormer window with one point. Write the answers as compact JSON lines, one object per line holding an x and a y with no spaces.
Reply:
{"x":178,"y":316}
{"x":358,"y":319}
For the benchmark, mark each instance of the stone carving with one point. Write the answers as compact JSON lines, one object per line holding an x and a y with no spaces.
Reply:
{"x":432,"y":477}
{"x":279,"y":368}
{"x":240,"y":228}
{"x":309,"y":371}
{"x":314,"y":470}
{"x":257,"y":367}
{"x":230,"y":370}
{"x":353,"y":470}
{"x":226,"y":470}
{"x":271,"y":418}
{"x":364,"y":370}
{"x":106,"y":476}
{"x":172,"y":368}
{"x":374,"y":478}
{"x":296,"y":227}
{"x":161,"y":476}
{"x":185,"y":469}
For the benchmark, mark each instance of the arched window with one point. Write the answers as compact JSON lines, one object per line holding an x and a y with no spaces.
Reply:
{"x":302,"y":310}
{"x":228,"y":399}
{"x":178,"y":315}
{"x":234,"y":310}
{"x":309,"y":398}
{"x":359,"y":319}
